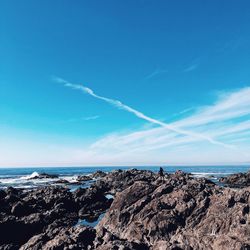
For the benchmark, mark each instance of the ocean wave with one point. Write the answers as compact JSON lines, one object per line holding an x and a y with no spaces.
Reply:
{"x":31,"y":176}
{"x":210,"y":173}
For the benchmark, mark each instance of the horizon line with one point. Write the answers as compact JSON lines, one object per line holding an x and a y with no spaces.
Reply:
{"x":130,"y":165}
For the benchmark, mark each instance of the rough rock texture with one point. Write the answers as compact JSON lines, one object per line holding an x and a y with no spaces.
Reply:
{"x":178,"y":213}
{"x":148,"y":212}
{"x":24,"y":214}
{"x":62,"y":238}
{"x":91,"y":202}
{"x":98,"y":174}
{"x":238,"y":180}
{"x":118,"y":180}
{"x":83,"y":178}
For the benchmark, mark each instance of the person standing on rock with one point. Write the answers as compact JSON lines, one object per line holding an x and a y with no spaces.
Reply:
{"x":161,"y":173}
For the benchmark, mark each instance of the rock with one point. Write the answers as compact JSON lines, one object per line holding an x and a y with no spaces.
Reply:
{"x":62,"y":181}
{"x":26,"y":213}
{"x":21,"y":209}
{"x":180,"y":212}
{"x":98,"y":174}
{"x":238,"y":180}
{"x":64,"y":238}
{"x":118,"y":180}
{"x":44,"y":176}
{"x":147,"y":212}
{"x":12,"y":191}
{"x":9,"y":247}
{"x":18,"y":231}
{"x":83,"y":178}
{"x":92,"y":202}
{"x":2,"y":194}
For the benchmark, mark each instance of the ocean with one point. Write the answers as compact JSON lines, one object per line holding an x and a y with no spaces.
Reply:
{"x":21,"y":177}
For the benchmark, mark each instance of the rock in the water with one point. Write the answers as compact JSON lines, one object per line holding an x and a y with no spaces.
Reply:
{"x":238,"y":180}
{"x":83,"y":178}
{"x":62,"y":181}
{"x":43,"y":176}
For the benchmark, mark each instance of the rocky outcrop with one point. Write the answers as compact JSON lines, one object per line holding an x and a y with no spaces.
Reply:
{"x":98,"y":174}
{"x":24,"y":214}
{"x":178,"y":213}
{"x":118,"y":180}
{"x":148,"y":212}
{"x":238,"y":180}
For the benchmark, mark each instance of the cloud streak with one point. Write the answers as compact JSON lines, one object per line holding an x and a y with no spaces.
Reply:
{"x":191,"y":68}
{"x":228,"y":120}
{"x":88,"y":118}
{"x":156,"y":72}
{"x":120,"y":105}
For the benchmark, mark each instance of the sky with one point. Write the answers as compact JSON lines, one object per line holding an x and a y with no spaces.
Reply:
{"x":136,"y":82}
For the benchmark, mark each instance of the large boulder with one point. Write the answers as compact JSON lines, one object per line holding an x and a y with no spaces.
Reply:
{"x":179,"y":212}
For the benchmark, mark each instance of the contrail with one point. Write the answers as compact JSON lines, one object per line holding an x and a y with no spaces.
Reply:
{"x":139,"y":114}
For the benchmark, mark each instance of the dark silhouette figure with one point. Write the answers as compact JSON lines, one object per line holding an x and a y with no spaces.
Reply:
{"x":161,"y":173}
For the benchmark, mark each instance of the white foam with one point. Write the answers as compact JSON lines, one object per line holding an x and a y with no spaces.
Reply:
{"x":210,"y":173}
{"x":31,"y":176}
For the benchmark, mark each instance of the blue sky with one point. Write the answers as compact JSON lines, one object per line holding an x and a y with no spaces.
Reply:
{"x":170,"y":82}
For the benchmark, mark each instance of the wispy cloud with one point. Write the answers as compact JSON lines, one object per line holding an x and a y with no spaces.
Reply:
{"x":156,"y":72}
{"x":228,"y":119}
{"x":120,"y":105}
{"x":191,"y":67}
{"x":184,"y":111}
{"x":91,"y":118}
{"x":87,"y":118}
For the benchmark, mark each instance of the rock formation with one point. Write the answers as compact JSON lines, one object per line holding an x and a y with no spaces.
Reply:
{"x":178,"y":213}
{"x":148,"y":212}
{"x":238,"y":180}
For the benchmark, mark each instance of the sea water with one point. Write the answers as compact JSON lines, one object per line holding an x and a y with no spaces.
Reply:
{"x":22,"y":177}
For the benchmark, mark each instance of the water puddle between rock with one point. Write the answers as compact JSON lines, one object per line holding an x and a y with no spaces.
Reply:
{"x":94,"y":223}
{"x":86,"y":222}
{"x":109,"y":196}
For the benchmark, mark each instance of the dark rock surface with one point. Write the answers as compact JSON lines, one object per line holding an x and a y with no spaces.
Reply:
{"x":118,"y":180}
{"x":62,"y":238}
{"x":238,"y":180}
{"x":98,"y":174}
{"x":45,"y":176}
{"x":83,"y":178}
{"x":24,"y":214}
{"x":147,"y":212}
{"x":178,"y":213}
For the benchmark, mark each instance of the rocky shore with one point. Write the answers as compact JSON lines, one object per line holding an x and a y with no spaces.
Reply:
{"x":146,"y":212}
{"x":238,"y":180}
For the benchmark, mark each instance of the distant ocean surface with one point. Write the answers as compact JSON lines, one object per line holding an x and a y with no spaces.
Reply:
{"x":20,"y":177}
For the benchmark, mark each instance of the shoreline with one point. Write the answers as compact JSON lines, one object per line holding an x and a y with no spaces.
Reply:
{"x":20,"y":177}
